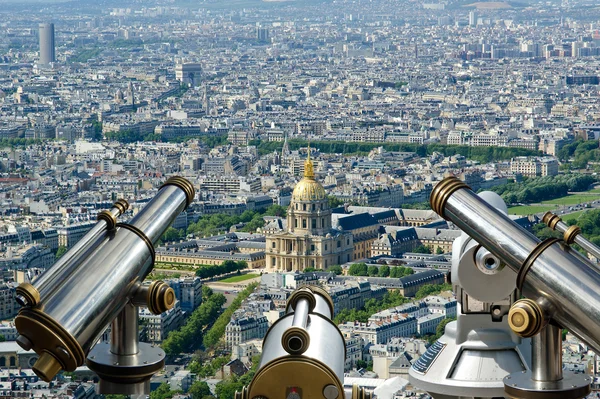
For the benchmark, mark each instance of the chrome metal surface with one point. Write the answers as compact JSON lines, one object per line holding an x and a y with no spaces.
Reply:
{"x":567,"y":288}
{"x":66,"y":265}
{"x":124,"y":332}
{"x":546,"y":356}
{"x":326,"y":345}
{"x":322,"y":306}
{"x":579,"y":240}
{"x":300,"y":314}
{"x":522,"y":386}
{"x":86,"y":300}
{"x":330,"y":392}
{"x":160,"y":211}
{"x":112,"y":388}
{"x":564,"y":284}
{"x":490,"y":227}
{"x":487,"y":262}
{"x":125,"y":374}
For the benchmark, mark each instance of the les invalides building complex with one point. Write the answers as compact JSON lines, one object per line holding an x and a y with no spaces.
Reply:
{"x":307,"y":239}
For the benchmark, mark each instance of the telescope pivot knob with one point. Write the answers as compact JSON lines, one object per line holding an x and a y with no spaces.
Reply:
{"x":27,"y":295}
{"x":47,"y":366}
{"x":526,"y":318}
{"x":160,"y":297}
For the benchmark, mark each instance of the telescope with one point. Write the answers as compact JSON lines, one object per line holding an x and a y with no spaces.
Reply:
{"x":303,"y":353}
{"x":98,"y":282}
{"x":561,"y":289}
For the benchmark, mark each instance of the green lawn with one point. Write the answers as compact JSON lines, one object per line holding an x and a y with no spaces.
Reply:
{"x":573,"y":199}
{"x":574,"y":215}
{"x":530,"y":209}
{"x":237,"y":279}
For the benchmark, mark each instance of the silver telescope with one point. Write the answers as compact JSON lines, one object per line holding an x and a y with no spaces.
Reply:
{"x":97,"y":283}
{"x":32,"y":294}
{"x":303,"y":353}
{"x":562,"y":287}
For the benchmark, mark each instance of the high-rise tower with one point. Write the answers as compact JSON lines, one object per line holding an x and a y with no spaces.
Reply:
{"x":47,"y":54}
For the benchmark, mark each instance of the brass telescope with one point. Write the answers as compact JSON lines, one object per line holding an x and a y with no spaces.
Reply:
{"x":303,"y":353}
{"x":100,"y":281}
{"x":562,"y":288}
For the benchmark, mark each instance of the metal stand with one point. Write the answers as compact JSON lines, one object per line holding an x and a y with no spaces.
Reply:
{"x":546,"y":379}
{"x":126,"y":365}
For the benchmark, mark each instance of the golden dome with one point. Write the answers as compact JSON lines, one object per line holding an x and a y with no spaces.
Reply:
{"x":308,"y":189}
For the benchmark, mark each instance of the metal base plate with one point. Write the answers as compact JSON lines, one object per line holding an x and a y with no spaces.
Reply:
{"x":120,"y":374}
{"x":572,"y":386}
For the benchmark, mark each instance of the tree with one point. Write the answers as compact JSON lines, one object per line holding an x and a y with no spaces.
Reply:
{"x":439,"y":251}
{"x":422,"y":249}
{"x":276,"y":210}
{"x":172,"y":234}
{"x":372,"y":271}
{"x":199,"y":389}
{"x":384,"y":271}
{"x":432,"y":289}
{"x":309,"y":270}
{"x":361,"y":364}
{"x":162,"y":392}
{"x":60,"y":252}
{"x":206,"y":292}
{"x":358,"y":269}
{"x":334,"y":201}
{"x":226,"y":389}
{"x":337,"y":269}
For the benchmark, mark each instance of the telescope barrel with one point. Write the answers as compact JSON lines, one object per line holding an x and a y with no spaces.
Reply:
{"x":317,"y":370}
{"x":32,"y":294}
{"x":572,"y":234}
{"x":563,"y":284}
{"x":64,"y":327}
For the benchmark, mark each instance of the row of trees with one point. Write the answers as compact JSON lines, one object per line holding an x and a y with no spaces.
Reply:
{"x":215,"y":224}
{"x":133,"y":136}
{"x":361,"y":269}
{"x":189,"y":337}
{"x":229,"y":266}
{"x":390,"y":299}
{"x":212,"y":337}
{"x":481,"y":154}
{"x":543,"y":188}
{"x":580,"y":153}
{"x":337,"y":269}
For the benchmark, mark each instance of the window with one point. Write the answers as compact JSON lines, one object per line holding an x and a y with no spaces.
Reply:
{"x":339,"y":244}
{"x":313,"y":207}
{"x":312,"y":247}
{"x":274,"y":262}
{"x":339,"y":260}
{"x":314,"y":223}
{"x":347,"y":241}
{"x":303,"y":223}
{"x":295,"y":222}
{"x":273,"y":244}
{"x":303,"y":207}
{"x":322,"y":222}
{"x":325,"y":247}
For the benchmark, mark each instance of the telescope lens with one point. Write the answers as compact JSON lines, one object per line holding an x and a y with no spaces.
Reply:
{"x":295,"y":344}
{"x":490,"y":263}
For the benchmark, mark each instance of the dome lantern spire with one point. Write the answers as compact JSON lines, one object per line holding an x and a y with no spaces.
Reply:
{"x":309,"y":171}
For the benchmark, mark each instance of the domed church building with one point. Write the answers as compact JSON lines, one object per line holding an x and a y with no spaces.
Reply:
{"x":307,"y":239}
